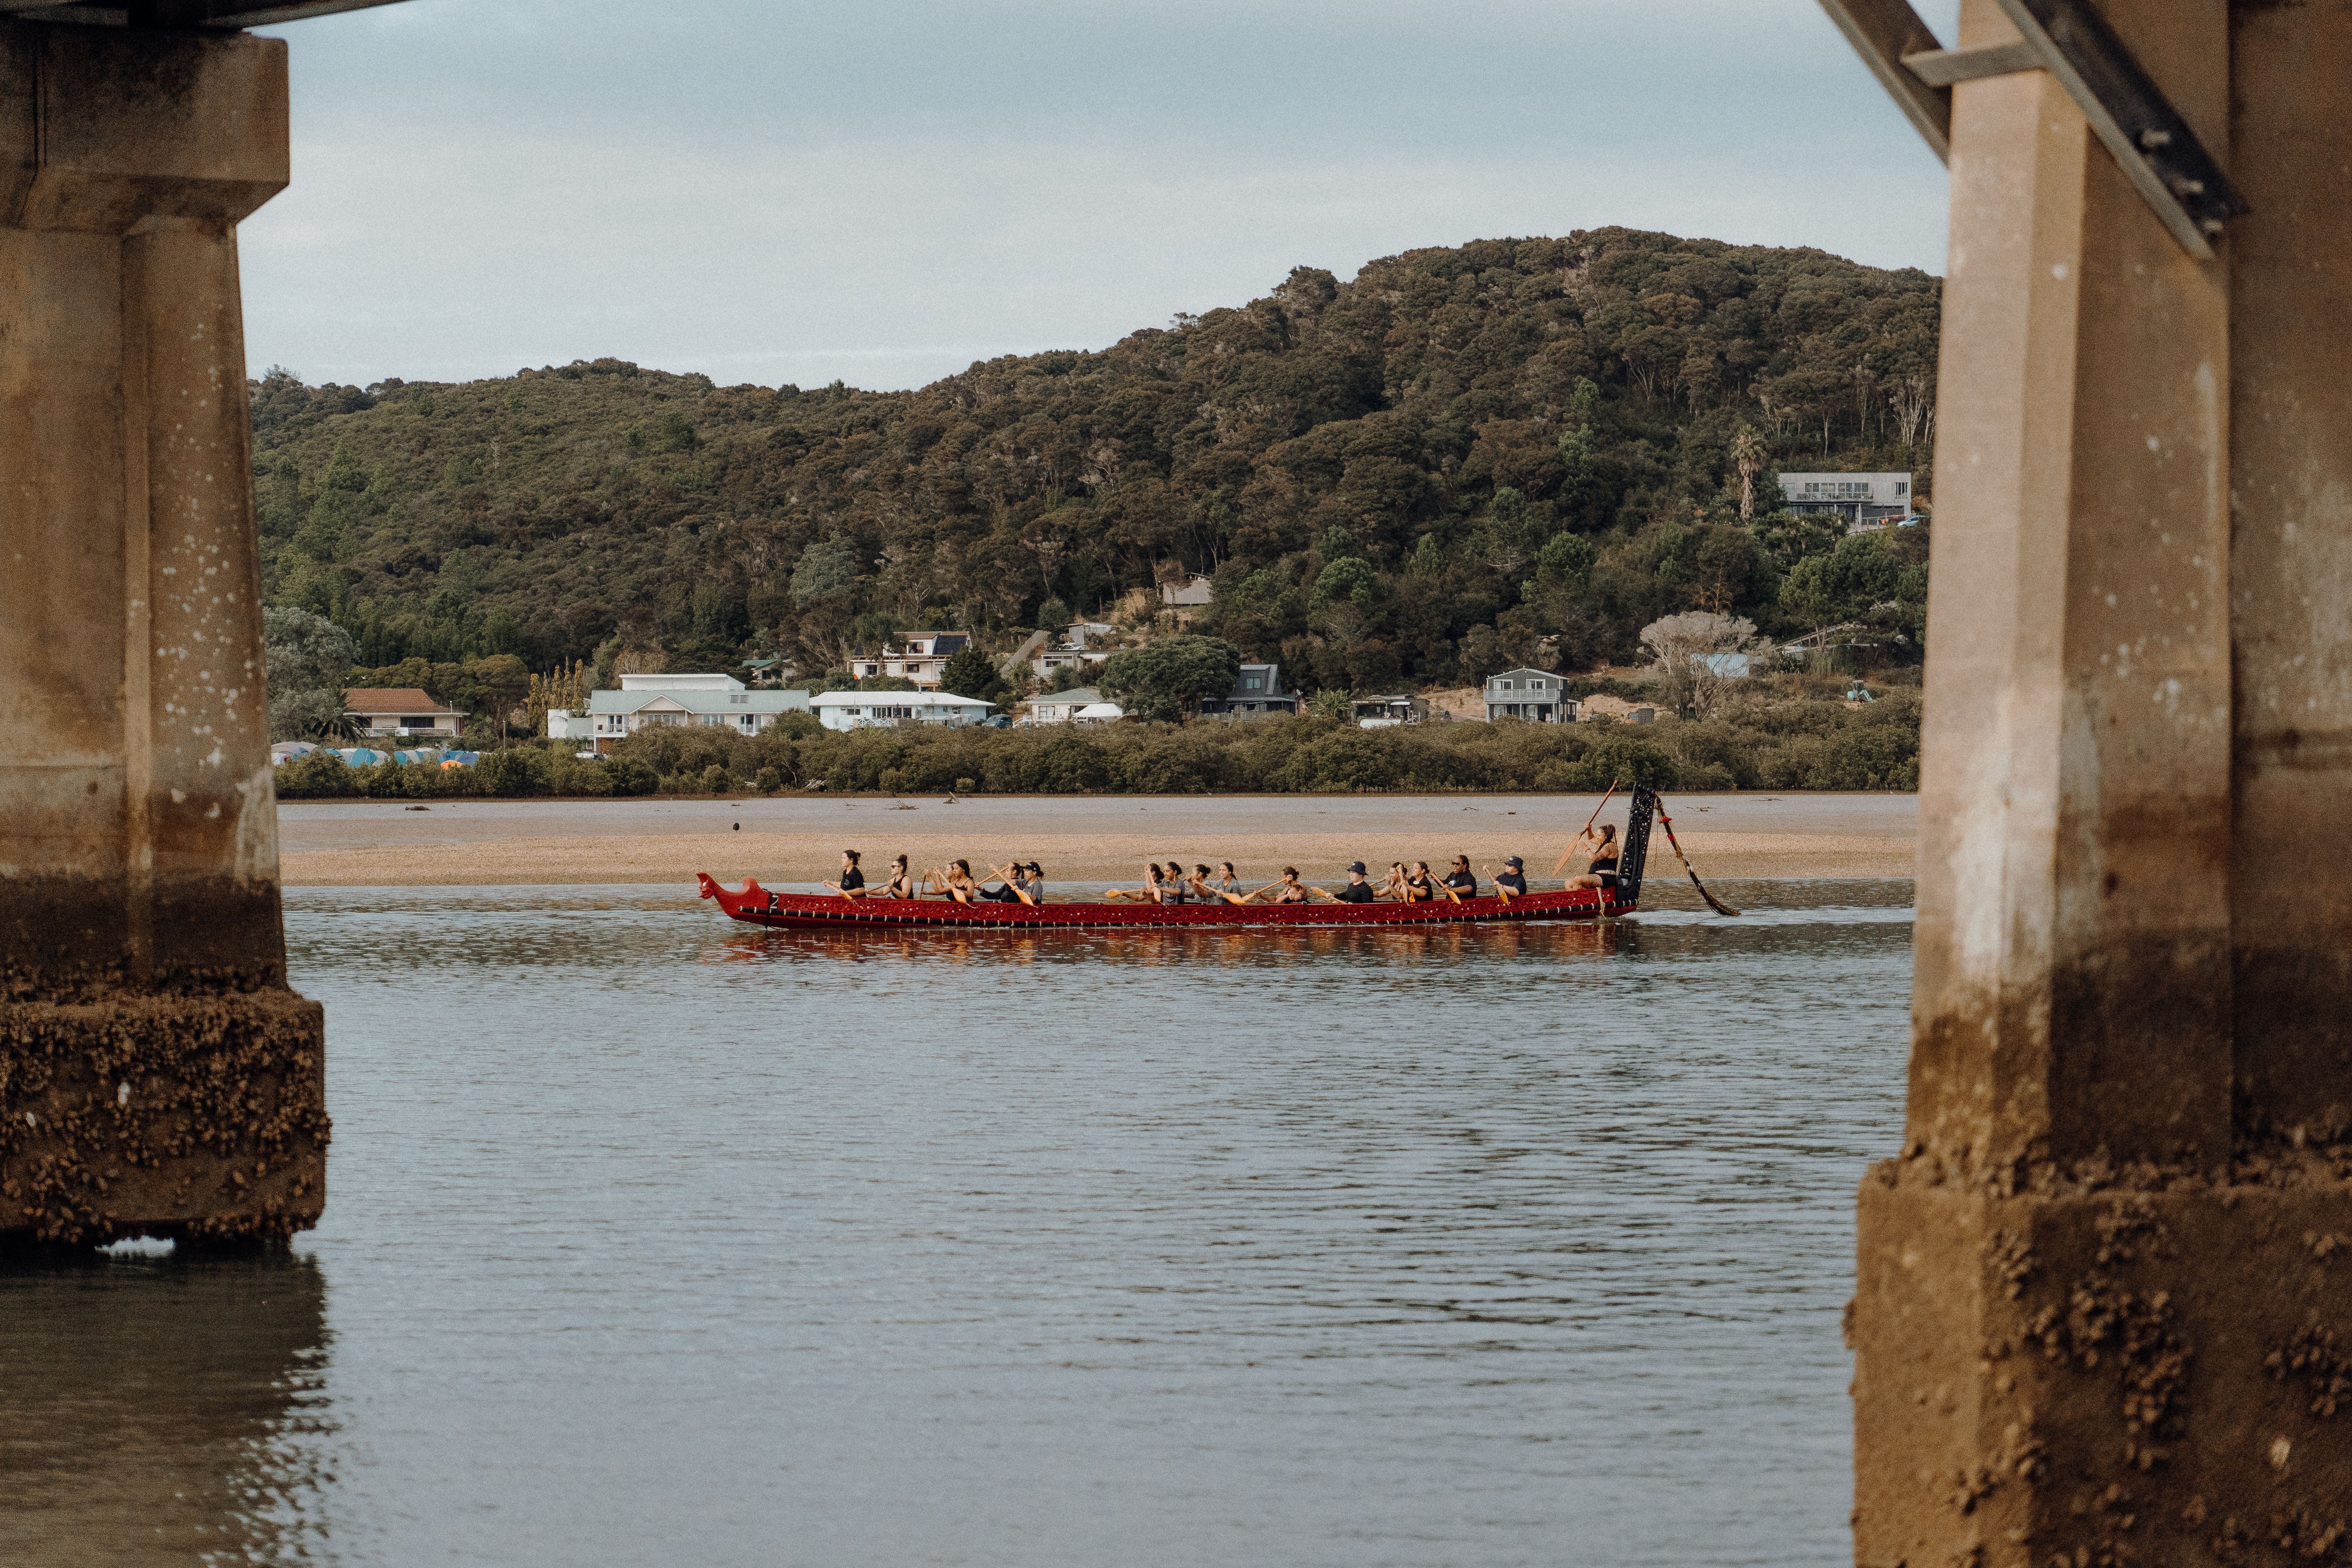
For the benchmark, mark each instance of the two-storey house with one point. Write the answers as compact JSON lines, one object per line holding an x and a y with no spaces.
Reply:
{"x":1531,"y":694}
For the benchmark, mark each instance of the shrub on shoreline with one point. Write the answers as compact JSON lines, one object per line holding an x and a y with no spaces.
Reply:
{"x":1804,"y":745}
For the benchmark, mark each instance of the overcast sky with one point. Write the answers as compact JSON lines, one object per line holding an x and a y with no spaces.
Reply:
{"x":883,"y":191}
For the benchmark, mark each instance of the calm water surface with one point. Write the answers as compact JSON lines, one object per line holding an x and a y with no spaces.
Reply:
{"x":650,"y":1241}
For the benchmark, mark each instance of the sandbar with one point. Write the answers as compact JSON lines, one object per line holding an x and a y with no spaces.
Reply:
{"x":788,"y":840}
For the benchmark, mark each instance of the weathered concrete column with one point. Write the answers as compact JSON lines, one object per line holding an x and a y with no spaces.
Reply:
{"x":155,"y":1073}
{"x":2104,"y":1305}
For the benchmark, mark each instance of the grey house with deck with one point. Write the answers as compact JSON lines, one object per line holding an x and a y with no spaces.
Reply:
{"x":1536,"y":695}
{"x":1257,"y":690}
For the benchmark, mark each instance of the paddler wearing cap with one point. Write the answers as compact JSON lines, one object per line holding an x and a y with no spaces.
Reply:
{"x":1357,"y":890}
{"x":1511,"y":882}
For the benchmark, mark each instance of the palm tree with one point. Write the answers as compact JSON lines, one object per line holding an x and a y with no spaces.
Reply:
{"x":1747,"y":451}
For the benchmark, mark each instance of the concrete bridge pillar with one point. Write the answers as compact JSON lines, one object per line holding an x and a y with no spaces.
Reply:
{"x":155,"y":1073}
{"x":2103,"y":1312}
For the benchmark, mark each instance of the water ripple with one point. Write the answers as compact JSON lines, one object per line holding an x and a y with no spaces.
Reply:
{"x":651,"y":1239}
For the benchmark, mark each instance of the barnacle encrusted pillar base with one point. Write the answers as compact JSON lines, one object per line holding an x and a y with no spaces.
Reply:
{"x":2103,"y":1311}
{"x":155,"y":1073}
{"x":2123,"y":1370}
{"x":196,"y":1117}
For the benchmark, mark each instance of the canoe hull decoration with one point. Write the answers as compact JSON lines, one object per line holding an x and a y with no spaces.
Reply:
{"x":756,"y":905}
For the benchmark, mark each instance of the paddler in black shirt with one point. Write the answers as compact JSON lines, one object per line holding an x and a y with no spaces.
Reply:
{"x":1511,"y":882}
{"x":1357,"y":890}
{"x":1462,"y":879}
{"x":1602,"y":872}
{"x":853,"y":880}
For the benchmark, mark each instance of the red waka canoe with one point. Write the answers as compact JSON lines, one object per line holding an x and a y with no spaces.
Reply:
{"x":756,"y":906}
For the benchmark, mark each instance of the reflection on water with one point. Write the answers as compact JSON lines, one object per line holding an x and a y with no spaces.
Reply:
{"x":159,"y":1410}
{"x":657,"y":1239}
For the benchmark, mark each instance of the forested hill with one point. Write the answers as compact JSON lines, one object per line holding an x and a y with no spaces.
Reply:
{"x":1511,"y":451}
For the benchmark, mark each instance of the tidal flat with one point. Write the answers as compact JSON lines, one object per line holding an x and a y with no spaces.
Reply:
{"x":791,"y":839}
{"x":653,"y":1239}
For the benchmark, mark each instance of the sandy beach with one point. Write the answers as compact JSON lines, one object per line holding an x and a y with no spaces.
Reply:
{"x":798,"y":839}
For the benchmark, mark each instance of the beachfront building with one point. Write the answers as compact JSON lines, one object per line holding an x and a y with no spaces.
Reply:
{"x":399,"y":710}
{"x":1384,"y":713}
{"x":1862,"y":500}
{"x":921,"y":658}
{"x":1535,"y":695}
{"x":1257,"y":691}
{"x":880,"y":710}
{"x":1058,"y":707}
{"x":712,"y":698}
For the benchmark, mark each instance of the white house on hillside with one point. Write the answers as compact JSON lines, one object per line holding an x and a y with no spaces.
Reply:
{"x":872,"y":709}
{"x":921,"y":658}
{"x":709,"y":699}
{"x":1072,"y":652}
{"x":1861,"y":500}
{"x":1532,"y":694}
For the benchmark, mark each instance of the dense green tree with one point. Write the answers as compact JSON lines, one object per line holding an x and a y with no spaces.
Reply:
{"x":968,"y":672}
{"x":827,"y":571}
{"x":1171,"y":676}
{"x":1842,"y":584}
{"x":306,"y":658}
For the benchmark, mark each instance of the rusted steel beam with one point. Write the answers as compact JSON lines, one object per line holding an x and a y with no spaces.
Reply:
{"x":2182,"y":184}
{"x":2151,"y":143}
{"x":1883,"y":32}
{"x":201,"y":14}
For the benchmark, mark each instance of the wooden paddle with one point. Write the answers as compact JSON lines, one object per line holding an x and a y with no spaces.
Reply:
{"x":1561,"y":864}
{"x":1718,"y":905}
